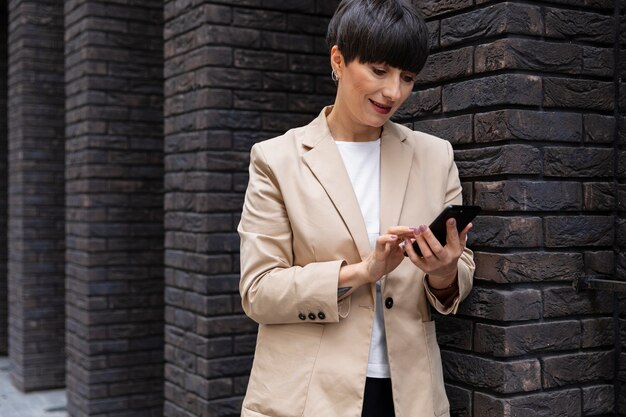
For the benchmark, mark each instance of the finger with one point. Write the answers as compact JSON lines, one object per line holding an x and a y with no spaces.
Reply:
{"x":429,"y":245}
{"x":464,"y":232}
{"x":452,"y":235}
{"x":383,"y":241}
{"x":413,"y":256}
{"x":400,"y":231}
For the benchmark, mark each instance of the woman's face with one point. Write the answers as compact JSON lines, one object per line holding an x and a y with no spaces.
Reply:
{"x":371,"y":93}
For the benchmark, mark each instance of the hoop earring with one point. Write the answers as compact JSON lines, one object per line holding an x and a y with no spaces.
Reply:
{"x":333,"y":75}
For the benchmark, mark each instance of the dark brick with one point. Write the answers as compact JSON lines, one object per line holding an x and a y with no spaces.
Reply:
{"x":517,"y":340}
{"x":498,"y":376}
{"x":509,"y":89}
{"x":553,"y":404}
{"x":599,"y":399}
{"x":578,"y":162}
{"x":498,"y":160}
{"x":503,"y":305}
{"x":601,"y":262}
{"x":286,"y":42}
{"x":597,"y":332}
{"x":578,"y":25}
{"x":447,"y":65}
{"x":528,"y":266}
{"x":298,"y":83}
{"x":303,"y":6}
{"x":526,"y":54}
{"x":527,"y":125}
{"x":307,"y":103}
{"x":565,"y":301}
{"x":259,"y":18}
{"x":598,"y":61}
{"x":576,"y":368}
{"x":454,"y":332}
{"x":434,"y":30}
{"x":582,"y":94}
{"x":460,"y":401}
{"x":255,"y":100}
{"x":432,"y":8}
{"x":307,"y":24}
{"x":260,"y":60}
{"x":527,"y":196}
{"x":578,"y":231}
{"x":420,"y":103}
{"x":326,"y":8}
{"x":499,"y":232}
{"x":191,"y":20}
{"x":493,"y":20}
{"x":598,"y":196}
{"x":598,"y":128}
{"x":456,"y":130}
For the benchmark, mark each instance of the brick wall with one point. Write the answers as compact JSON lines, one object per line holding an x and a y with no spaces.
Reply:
{"x":114,"y":183}
{"x":3,"y":181}
{"x":235,"y":73}
{"x":36,"y":202}
{"x":620,"y":158}
{"x":525,"y":92}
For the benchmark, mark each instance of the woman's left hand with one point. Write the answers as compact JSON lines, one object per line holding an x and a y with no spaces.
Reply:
{"x":439,"y":262}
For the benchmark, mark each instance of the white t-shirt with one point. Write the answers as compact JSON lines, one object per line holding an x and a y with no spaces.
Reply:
{"x":362,"y":161}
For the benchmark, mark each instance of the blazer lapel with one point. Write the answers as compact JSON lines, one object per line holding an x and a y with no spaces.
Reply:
{"x":324,"y":160}
{"x":395,"y":165}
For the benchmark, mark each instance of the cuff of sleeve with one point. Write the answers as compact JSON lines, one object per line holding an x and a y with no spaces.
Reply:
{"x":451,"y":304}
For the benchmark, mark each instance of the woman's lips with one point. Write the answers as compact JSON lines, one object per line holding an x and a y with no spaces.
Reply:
{"x":380,"y":108}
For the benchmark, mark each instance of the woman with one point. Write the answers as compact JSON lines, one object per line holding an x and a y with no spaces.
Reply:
{"x":344,"y":317}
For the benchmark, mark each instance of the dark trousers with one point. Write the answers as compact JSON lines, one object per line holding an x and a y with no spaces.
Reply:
{"x":378,"y":400}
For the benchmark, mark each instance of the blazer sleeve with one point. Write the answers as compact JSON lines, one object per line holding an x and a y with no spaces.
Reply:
{"x":274,"y":290}
{"x":466,"y":264}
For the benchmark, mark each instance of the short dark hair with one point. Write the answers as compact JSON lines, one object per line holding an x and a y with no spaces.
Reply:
{"x":388,"y":31}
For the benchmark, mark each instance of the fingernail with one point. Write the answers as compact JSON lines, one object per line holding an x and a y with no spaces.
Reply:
{"x":413,"y":228}
{"x":394,"y":237}
{"x":422,"y":228}
{"x":452,"y":221}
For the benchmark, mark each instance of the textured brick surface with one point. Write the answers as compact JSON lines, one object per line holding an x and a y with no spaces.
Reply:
{"x":36,"y":190}
{"x":256,"y":70}
{"x":538,"y":146}
{"x":4,"y":308}
{"x":114,"y":174}
{"x":564,"y":403}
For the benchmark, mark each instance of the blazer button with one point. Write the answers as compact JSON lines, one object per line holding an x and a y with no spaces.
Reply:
{"x":389,"y":302}
{"x":312,"y":316}
{"x":301,"y":316}
{"x":321,"y":315}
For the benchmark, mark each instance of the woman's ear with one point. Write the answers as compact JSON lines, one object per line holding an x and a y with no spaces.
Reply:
{"x":336,"y":60}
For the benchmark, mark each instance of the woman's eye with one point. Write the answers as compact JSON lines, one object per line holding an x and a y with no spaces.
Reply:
{"x":378,"y":71}
{"x":409,"y":78}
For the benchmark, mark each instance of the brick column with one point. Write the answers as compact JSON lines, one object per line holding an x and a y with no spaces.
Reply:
{"x":36,"y":194}
{"x":114,"y":177}
{"x":4,"y":312}
{"x":234,"y":75}
{"x":621,"y":201}
{"x":526,"y":95}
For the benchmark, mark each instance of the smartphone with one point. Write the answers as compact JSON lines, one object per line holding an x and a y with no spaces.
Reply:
{"x":462,"y":214}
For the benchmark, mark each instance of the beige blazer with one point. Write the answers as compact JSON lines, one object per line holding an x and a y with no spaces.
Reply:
{"x":300,"y":221}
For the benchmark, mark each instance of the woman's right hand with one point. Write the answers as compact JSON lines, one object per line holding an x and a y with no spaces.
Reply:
{"x":385,"y":257}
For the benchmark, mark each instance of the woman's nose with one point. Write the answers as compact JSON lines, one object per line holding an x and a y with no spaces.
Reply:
{"x":392,"y":90}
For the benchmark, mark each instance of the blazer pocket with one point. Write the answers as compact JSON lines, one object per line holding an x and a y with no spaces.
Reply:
{"x":281,"y":372}
{"x":441,"y":406}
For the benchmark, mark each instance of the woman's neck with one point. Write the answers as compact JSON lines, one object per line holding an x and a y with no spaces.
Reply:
{"x":344,"y":129}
